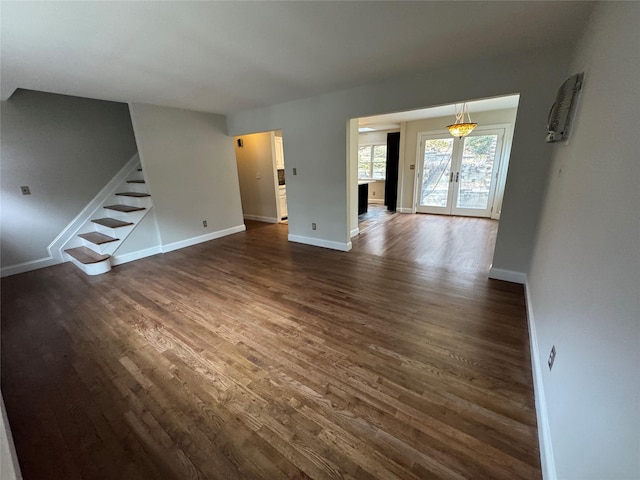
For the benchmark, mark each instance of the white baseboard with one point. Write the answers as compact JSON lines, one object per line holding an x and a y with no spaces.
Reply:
{"x":259,"y":218}
{"x":319,"y":242}
{"x":508,"y":275}
{"x":354,"y":232}
{"x":202,"y":238}
{"x":28,"y":266}
{"x":547,"y":460}
{"x":375,"y":200}
{"x":137,"y":255}
{"x":404,"y":210}
{"x":9,"y":466}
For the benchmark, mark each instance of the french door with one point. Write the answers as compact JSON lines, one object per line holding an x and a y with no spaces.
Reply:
{"x":458,"y":176}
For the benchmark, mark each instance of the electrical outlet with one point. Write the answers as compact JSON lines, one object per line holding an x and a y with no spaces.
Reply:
{"x":204,"y":223}
{"x":313,"y":226}
{"x":374,"y":193}
{"x":552,"y":357}
{"x":25,"y":190}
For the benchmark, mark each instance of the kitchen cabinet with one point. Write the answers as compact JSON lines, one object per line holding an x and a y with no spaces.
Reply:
{"x":279,"y":153}
{"x":282,"y":198}
{"x":363,"y":197}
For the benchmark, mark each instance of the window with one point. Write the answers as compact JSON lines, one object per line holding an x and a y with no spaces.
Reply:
{"x":372,"y":162}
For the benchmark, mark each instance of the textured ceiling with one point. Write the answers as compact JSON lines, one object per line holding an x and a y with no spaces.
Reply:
{"x":225,"y":57}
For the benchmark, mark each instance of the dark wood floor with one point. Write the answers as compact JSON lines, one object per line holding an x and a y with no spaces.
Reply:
{"x":251,"y":357}
{"x":375,"y":215}
{"x":457,"y":244}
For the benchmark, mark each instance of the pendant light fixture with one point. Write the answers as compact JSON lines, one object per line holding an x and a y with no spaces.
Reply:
{"x":461,"y":128}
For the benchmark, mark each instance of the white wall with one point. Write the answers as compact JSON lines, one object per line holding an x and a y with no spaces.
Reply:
{"x":376,"y":192}
{"x":65,"y":149}
{"x":143,"y":237}
{"x":9,"y":466}
{"x":376,"y":137}
{"x":410,"y":140}
{"x":316,"y":133}
{"x":584,"y":284}
{"x":255,"y":159}
{"x":190,"y":168}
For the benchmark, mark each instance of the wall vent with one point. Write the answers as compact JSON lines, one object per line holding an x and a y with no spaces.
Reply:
{"x":559,"y":120}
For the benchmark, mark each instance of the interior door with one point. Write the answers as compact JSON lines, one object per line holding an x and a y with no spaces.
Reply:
{"x":458,"y":176}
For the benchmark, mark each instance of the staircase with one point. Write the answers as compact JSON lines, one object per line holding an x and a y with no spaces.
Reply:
{"x":98,"y":239}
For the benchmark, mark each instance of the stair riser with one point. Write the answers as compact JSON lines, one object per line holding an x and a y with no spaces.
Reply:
{"x":104,"y":248}
{"x":93,"y":268}
{"x":137,"y":187}
{"x":132,"y":201}
{"x":74,"y":242}
{"x":133,"y":217}
{"x":121,"y":232}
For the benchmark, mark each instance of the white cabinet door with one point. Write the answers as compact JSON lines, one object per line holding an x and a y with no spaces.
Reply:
{"x":279,"y":153}
{"x":283,"y":204}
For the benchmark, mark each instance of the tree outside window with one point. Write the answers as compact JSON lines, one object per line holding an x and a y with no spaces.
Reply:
{"x":372,"y":162}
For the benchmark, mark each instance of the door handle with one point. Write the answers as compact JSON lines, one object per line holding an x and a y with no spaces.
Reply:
{"x":451,"y":178}
{"x":457,"y":176}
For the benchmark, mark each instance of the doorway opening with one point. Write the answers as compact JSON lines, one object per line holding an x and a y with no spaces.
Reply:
{"x":261,"y":175}
{"x":437,"y":173}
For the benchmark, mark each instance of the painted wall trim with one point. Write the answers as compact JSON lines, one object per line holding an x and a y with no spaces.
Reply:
{"x":547,"y":460}
{"x":202,"y":238}
{"x":9,"y":468}
{"x":259,"y":218}
{"x":71,"y":230}
{"x":404,"y":210}
{"x":508,"y":275}
{"x":354,"y":232}
{"x":137,"y":255}
{"x":28,"y":266}
{"x":319,"y":242}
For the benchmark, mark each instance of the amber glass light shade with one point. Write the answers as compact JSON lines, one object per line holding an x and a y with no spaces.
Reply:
{"x":461,"y":129}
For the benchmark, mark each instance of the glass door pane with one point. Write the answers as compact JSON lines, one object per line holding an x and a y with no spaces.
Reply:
{"x":475,"y":181}
{"x":436,"y":172}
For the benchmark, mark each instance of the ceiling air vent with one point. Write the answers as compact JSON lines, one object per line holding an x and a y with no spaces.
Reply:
{"x":560,"y":114}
